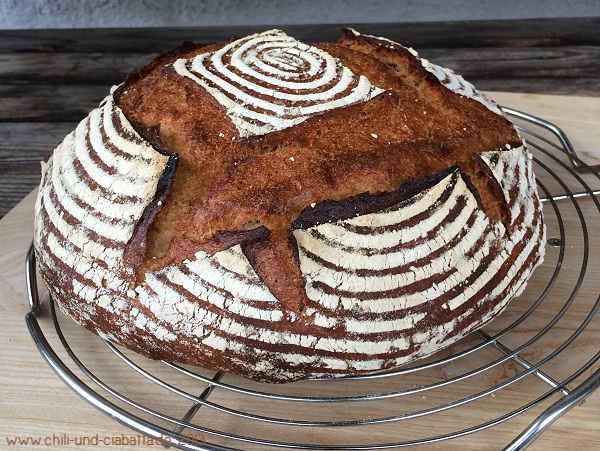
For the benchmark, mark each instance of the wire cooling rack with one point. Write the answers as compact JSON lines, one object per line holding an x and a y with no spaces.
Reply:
{"x":540,"y":357}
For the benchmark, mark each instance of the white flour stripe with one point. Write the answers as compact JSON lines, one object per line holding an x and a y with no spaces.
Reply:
{"x":283,"y":62}
{"x":286,"y":109}
{"x":336,"y":236}
{"x":418,"y":204}
{"x":458,"y":258}
{"x":73,"y":191}
{"x":331,"y":74}
{"x":122,"y":183}
{"x":85,"y":265}
{"x":114,"y":222}
{"x":498,"y":262}
{"x":107,"y":181}
{"x":274,"y":51}
{"x":387,"y":304}
{"x":78,"y":234}
{"x":216,"y":297}
{"x":456,"y":83}
{"x":136,"y":170}
{"x":127,"y":141}
{"x":322,"y":100}
{"x":204,"y":266}
{"x":118,"y":231}
{"x":171,"y":314}
{"x":345,"y":251}
{"x":382,"y":326}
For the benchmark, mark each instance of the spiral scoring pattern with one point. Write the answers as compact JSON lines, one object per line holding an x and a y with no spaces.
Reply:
{"x":270,"y":81}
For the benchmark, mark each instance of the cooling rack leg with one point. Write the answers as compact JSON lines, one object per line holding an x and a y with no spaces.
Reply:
{"x":32,"y":291}
{"x":552,"y":413}
{"x":194,"y":409}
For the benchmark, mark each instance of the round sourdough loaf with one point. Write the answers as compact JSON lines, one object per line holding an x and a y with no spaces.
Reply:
{"x":283,"y":211}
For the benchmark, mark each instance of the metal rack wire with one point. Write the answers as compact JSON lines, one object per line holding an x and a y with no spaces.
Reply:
{"x":519,"y":356}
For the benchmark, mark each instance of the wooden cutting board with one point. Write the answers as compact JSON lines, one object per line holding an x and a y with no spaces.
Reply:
{"x":35,"y":403}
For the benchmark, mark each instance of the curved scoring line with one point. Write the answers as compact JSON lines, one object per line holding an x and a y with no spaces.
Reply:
{"x":91,"y":231}
{"x":399,"y":235}
{"x":261,"y":52}
{"x":294,"y":69}
{"x":496,"y":162}
{"x":353,"y":264}
{"x":456,"y":83}
{"x":204,"y":271}
{"x":76,"y":193}
{"x":235,"y":334}
{"x":107,"y":183}
{"x":241,"y":113}
{"x":389,"y":228}
{"x":132,"y":167}
{"x":82,"y":196}
{"x":315,"y":58}
{"x":322,"y":69}
{"x":82,"y":201}
{"x":214,"y":299}
{"x":400,"y":287}
{"x":343,"y":81}
{"x":233,"y":262}
{"x":520,"y":233}
{"x":222,"y":90}
{"x":530,"y":247}
{"x":522,"y":187}
{"x":532,"y":238}
{"x":82,"y":267}
{"x":123,"y":135}
{"x":128,"y":144}
{"x":508,"y":288}
{"x":456,"y":238}
{"x":291,"y":66}
{"x":413,"y":206}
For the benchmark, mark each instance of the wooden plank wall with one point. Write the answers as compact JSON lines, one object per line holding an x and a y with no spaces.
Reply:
{"x":50,"y":79}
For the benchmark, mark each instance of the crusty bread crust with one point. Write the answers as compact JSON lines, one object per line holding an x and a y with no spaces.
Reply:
{"x":353,"y":241}
{"x":414,"y":129}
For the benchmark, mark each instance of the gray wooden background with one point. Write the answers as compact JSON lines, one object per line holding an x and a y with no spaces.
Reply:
{"x":27,"y":14}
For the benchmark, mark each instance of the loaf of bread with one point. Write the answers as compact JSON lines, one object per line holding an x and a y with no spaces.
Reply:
{"x":283,"y":211}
